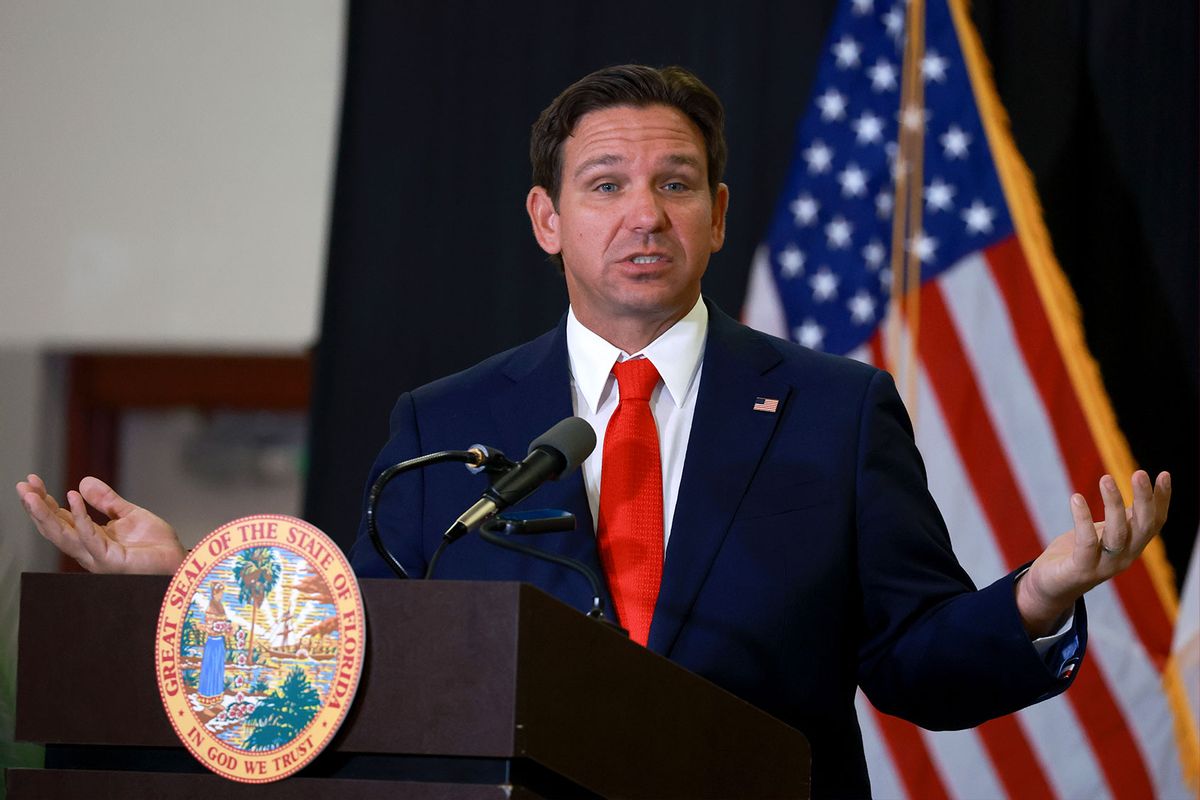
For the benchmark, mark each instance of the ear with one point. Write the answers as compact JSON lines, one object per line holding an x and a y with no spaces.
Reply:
{"x":544,"y":218}
{"x":719,"y":207}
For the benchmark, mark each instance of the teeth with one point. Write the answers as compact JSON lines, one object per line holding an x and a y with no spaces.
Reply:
{"x":645,"y":259}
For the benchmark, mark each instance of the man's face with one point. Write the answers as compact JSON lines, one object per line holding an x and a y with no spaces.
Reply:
{"x":635,"y":222}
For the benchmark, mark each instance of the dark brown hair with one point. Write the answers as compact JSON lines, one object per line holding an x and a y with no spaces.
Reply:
{"x":626,"y":85}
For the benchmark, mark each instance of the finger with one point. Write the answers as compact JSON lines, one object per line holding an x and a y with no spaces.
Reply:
{"x":1162,"y":498}
{"x":1115,"y":538}
{"x":23,"y":489}
{"x":39,"y":486}
{"x":32,"y":485}
{"x":1087,"y":543}
{"x":85,"y":529}
{"x":26,"y":486}
{"x":1143,"y":516}
{"x":101,"y":496}
{"x":33,"y":489}
{"x":53,"y":528}
{"x":35,"y":505}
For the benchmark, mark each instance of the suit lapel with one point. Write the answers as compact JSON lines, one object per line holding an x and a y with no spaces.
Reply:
{"x":726,"y":444}
{"x":539,"y":396}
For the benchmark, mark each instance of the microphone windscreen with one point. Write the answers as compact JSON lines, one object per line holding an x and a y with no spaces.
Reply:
{"x":573,"y":438}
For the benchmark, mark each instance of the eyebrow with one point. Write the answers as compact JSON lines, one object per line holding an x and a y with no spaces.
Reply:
{"x":599,"y":161}
{"x":609,"y":159}
{"x":677,"y":160}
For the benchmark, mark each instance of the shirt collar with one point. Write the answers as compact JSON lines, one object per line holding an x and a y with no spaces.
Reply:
{"x":675,"y":353}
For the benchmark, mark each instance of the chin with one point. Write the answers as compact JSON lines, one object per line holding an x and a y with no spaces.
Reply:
{"x":656,"y":304}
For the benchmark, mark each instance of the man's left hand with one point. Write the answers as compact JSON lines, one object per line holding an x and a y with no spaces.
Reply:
{"x":1092,"y":552}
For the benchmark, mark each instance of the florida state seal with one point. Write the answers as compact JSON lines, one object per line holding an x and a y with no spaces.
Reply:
{"x":260,"y":647}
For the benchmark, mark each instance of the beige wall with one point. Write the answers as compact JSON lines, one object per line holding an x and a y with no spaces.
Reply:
{"x":165,"y":171}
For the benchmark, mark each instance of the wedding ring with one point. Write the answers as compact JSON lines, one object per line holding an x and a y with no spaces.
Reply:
{"x":1112,"y":551}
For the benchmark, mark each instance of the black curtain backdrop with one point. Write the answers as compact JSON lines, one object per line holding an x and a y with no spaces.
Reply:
{"x":432,"y":265}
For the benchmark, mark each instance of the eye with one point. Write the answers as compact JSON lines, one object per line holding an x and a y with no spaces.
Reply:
{"x":675,"y":186}
{"x":608,"y":187}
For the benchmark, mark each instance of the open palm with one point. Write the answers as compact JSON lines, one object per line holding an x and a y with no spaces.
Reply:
{"x":134,"y":540}
{"x":1093,"y":552}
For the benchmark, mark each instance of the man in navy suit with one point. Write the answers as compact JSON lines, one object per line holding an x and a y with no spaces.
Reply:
{"x":801,"y":554}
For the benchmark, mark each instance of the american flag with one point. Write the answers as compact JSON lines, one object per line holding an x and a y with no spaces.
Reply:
{"x":767,"y":404}
{"x":908,"y":235}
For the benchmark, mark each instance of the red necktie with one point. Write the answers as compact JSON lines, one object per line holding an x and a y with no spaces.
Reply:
{"x":630,"y":529}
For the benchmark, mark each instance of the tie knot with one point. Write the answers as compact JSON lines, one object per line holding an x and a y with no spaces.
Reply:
{"x":636,"y":378}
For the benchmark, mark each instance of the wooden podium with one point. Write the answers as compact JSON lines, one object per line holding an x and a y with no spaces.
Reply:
{"x":470,"y":690}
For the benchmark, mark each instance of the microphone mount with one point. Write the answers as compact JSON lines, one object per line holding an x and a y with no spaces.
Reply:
{"x":557,"y":451}
{"x":478,"y":458}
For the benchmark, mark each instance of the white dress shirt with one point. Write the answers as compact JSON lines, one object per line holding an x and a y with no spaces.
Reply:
{"x":677,"y":355}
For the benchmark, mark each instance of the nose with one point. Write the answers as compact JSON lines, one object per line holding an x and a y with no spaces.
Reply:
{"x":646,"y":212}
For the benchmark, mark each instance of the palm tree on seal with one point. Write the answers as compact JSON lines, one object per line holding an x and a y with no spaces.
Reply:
{"x":257,"y":572}
{"x":284,"y":713}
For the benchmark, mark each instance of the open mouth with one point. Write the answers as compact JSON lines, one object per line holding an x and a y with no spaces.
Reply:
{"x":647,"y":259}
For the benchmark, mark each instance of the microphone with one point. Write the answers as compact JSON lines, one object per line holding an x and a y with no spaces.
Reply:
{"x":554,"y":453}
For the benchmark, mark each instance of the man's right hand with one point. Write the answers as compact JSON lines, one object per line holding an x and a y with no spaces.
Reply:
{"x":133,"y":540}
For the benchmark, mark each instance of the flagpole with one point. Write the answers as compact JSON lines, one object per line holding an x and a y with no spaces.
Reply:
{"x":908,"y":207}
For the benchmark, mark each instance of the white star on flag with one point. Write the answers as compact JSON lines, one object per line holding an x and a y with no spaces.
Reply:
{"x":884,"y":203}
{"x":862,"y":307}
{"x":868,"y":128}
{"x":893,"y":21}
{"x":883,"y":76}
{"x":954,"y":142}
{"x":863,"y":7}
{"x":853,"y":181}
{"x":933,"y":67}
{"x":924,"y":246}
{"x":791,"y":261}
{"x":832,"y":105}
{"x":837,"y":233}
{"x":978,"y":217}
{"x":847,"y":52}
{"x":810,"y":334}
{"x":824,"y":284}
{"x":873,"y":254}
{"x":804,"y":208}
{"x":939,"y":195}
{"x":819,"y":156}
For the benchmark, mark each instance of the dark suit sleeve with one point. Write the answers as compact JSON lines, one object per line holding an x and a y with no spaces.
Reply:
{"x":934,"y":650}
{"x":400,"y":508}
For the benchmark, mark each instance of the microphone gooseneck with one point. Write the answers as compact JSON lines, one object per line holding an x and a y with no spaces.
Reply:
{"x":477,"y":456}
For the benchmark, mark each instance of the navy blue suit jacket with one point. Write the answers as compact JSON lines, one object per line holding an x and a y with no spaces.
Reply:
{"x":806,"y":555}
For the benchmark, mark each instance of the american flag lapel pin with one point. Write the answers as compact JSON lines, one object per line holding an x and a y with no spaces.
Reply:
{"x":767,"y":404}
